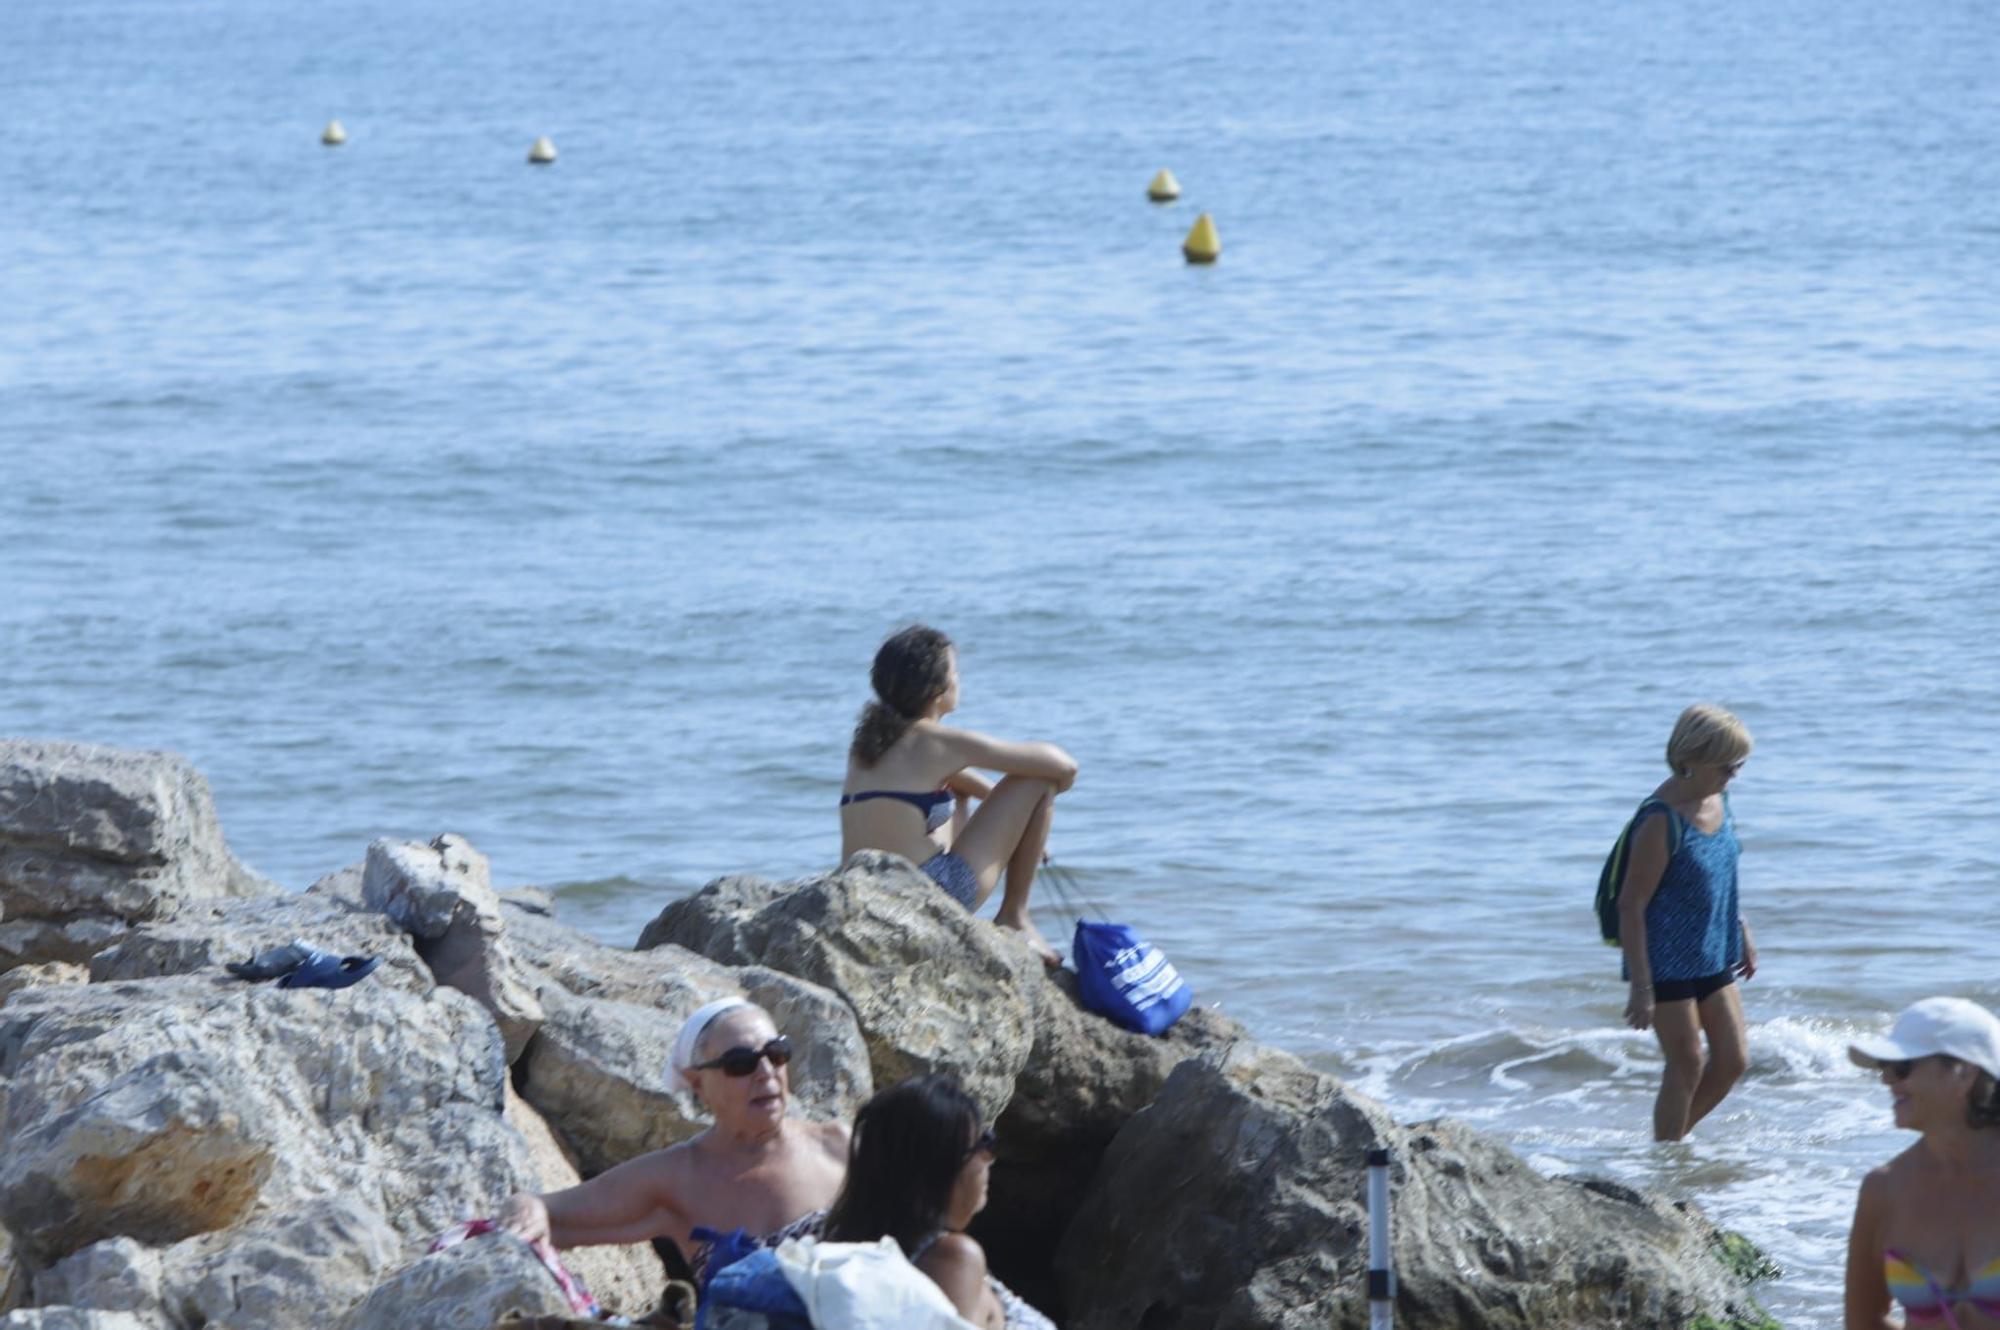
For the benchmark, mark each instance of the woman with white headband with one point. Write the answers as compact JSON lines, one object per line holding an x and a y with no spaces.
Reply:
{"x":756,"y":1168}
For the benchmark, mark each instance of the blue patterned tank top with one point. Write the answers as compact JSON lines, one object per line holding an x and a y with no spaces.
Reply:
{"x":1694,"y":926}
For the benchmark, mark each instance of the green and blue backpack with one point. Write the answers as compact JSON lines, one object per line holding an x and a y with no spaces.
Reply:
{"x":1612,"y":880}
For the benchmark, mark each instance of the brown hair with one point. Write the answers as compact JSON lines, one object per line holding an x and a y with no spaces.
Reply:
{"x":1983,"y":1108}
{"x":912,"y":669}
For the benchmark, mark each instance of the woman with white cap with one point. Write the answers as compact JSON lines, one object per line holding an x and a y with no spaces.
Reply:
{"x":1927,"y":1227}
{"x":757,"y":1168}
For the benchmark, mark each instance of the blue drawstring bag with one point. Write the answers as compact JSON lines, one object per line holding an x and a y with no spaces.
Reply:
{"x":756,"y":1284}
{"x":1126,"y":979}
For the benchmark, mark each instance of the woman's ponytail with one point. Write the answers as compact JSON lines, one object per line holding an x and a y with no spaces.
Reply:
{"x":912,"y":670}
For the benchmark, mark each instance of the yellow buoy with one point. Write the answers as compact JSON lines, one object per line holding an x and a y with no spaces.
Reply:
{"x":1164,"y":189}
{"x":333,"y":135}
{"x":1202,"y":244}
{"x":543,"y":152}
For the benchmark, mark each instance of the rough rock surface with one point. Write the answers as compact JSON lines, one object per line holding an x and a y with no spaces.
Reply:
{"x":1237,"y":1200}
{"x":72,"y":1318}
{"x":468,"y":1287}
{"x":40,"y":976}
{"x":933,"y":988}
{"x":164,"y":1108}
{"x":442,"y":895}
{"x":204,"y":937}
{"x":95,"y":839}
{"x":597,"y":1065}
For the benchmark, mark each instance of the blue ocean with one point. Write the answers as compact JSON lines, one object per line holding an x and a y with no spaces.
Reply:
{"x":1564,"y":364}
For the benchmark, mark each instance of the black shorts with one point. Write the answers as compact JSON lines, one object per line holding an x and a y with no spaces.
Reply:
{"x":1683,"y":990}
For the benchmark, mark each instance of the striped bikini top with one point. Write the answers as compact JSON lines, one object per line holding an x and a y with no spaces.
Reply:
{"x":1928,"y":1301}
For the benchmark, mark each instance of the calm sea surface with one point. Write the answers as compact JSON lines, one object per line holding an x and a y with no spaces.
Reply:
{"x":1563,"y":366}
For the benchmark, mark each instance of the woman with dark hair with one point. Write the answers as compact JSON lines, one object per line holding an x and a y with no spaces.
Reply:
{"x":916,"y":1172}
{"x":1927,"y":1225}
{"x":911,"y":781}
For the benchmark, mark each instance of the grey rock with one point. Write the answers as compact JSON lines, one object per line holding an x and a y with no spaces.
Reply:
{"x":442,"y":895}
{"x":164,"y":1108}
{"x":74,"y":1318}
{"x":204,"y":938}
{"x":115,"y":1275}
{"x":1237,"y":1200}
{"x":472,"y":1286}
{"x":933,"y":988}
{"x":93,"y":838}
{"x":40,"y":976}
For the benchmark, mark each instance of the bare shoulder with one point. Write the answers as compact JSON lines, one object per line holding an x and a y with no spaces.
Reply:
{"x":832,"y":1137}
{"x":954,"y":1256}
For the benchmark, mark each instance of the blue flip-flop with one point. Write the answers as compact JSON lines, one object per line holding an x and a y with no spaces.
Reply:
{"x":323,"y":969}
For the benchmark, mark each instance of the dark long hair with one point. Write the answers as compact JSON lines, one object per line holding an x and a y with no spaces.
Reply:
{"x":911,"y":670}
{"x":909,"y":1144}
{"x":1983,"y":1110}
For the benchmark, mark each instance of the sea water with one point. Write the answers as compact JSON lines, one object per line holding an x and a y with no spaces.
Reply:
{"x":1565,"y":363}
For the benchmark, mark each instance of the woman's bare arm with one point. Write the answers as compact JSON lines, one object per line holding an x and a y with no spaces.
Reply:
{"x":1037,"y":761}
{"x":1642,"y":879}
{"x":957,"y":1264}
{"x":629,"y":1203}
{"x":1867,"y":1289}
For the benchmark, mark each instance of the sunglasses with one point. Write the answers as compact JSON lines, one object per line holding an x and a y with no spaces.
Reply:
{"x":1900,"y":1071}
{"x":743,"y":1061}
{"x":988,"y":1139}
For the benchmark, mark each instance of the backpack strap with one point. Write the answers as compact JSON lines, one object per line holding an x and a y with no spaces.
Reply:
{"x":1676,"y":824}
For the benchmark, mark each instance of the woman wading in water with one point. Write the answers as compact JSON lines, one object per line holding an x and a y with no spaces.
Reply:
{"x":1683,"y":934}
{"x":911,"y":783}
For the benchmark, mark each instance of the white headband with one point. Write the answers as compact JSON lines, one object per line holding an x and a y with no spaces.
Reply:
{"x":690,"y":1039}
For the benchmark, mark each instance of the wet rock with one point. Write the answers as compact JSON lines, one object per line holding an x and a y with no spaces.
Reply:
{"x":933,"y":988}
{"x":1237,"y":1200}
{"x":94,"y":839}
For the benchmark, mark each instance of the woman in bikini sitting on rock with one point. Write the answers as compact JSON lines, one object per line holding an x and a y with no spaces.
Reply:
{"x":756,"y":1168}
{"x":911,"y":780}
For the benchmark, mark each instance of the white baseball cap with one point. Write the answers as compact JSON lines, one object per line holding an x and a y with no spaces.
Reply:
{"x":1964,"y":1030}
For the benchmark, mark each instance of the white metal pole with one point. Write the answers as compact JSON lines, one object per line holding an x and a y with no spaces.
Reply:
{"x":1381,"y":1274}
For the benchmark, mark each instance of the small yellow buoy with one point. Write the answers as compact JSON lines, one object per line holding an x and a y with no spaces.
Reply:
{"x":1202,"y":244}
{"x":1164,"y":189}
{"x":543,"y":152}
{"x":333,"y":135}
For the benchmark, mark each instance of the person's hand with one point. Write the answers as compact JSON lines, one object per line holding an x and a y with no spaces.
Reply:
{"x":1747,"y":967}
{"x":1639,"y":1008}
{"x":524,"y":1215}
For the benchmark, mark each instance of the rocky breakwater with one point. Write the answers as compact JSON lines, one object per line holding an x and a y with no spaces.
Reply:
{"x":180,"y":1149}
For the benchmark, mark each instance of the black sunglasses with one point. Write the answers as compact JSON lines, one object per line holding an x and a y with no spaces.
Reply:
{"x":743,"y":1061}
{"x":988,"y":1139}
{"x":1900,"y":1071}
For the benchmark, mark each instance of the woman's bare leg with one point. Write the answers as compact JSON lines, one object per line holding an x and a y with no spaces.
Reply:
{"x":1679,"y":1032}
{"x":1007,"y":834}
{"x":1721,"y":1015}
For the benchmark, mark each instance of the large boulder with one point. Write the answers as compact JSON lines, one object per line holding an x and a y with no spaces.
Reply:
{"x":280,"y":1270}
{"x":472,"y":1286}
{"x":95,"y":839}
{"x":1237,"y":1201}
{"x":596,"y":1067}
{"x":164,"y":1109}
{"x":442,"y":895}
{"x":933,"y":988}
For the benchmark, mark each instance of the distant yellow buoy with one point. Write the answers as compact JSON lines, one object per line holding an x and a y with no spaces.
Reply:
{"x":333,"y":135}
{"x":1202,"y":244}
{"x":1164,"y":189}
{"x":543,"y":152}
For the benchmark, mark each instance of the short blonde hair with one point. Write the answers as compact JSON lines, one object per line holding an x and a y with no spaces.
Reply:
{"x":1707,"y":735}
